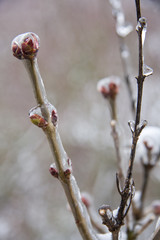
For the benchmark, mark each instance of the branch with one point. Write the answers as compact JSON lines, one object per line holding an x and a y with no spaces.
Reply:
{"x":123,"y":29}
{"x":25,"y":46}
{"x":114,"y":223}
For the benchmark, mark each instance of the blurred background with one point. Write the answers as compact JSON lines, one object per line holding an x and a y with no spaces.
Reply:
{"x":79,"y":46}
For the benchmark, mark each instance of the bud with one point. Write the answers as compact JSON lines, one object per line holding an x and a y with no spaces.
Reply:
{"x":38,"y":121}
{"x":25,"y":46}
{"x":67,"y":173}
{"x":54,"y":117}
{"x":86,"y":199}
{"x":36,"y":117}
{"x":109,"y":87}
{"x":53,"y":171}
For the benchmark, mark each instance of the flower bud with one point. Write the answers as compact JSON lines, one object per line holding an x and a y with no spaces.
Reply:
{"x":53,"y":171}
{"x":86,"y":199}
{"x":25,"y":46}
{"x":38,"y":121}
{"x":67,"y":173}
{"x":109,"y":87}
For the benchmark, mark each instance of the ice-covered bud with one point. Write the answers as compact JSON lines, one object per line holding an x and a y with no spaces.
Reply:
{"x":86,"y":199}
{"x":109,"y":87}
{"x":54,"y":117}
{"x":38,"y":121}
{"x":36,"y":117}
{"x":25,"y":46}
{"x":156,"y":207}
{"x":67,"y":173}
{"x":148,"y":147}
{"x":53,"y":171}
{"x":105,"y":212}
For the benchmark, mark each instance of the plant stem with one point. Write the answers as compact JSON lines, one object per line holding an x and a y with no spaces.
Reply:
{"x":115,"y":235}
{"x":61,"y":159}
{"x":138,"y":9}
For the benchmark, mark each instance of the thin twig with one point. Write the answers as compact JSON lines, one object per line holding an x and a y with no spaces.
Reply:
{"x":115,"y":136}
{"x":122,"y":30}
{"x":44,"y":115}
{"x":138,"y":9}
{"x":61,"y":159}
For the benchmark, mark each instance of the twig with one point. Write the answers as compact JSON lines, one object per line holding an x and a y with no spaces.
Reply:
{"x":122,"y":30}
{"x":114,"y":223}
{"x":138,"y":9}
{"x":24,"y":46}
{"x":115,"y":136}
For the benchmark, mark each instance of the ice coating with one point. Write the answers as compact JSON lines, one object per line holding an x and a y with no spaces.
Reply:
{"x":142,"y":28}
{"x":109,"y":86}
{"x":122,"y":28}
{"x":147,"y":71}
{"x":150,"y":136}
{"x":25,"y":45}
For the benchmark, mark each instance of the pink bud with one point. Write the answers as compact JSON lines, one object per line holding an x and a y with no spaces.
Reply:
{"x":67,"y":173}
{"x":86,"y":199}
{"x":53,"y":171}
{"x":54,"y":117}
{"x":109,"y":87}
{"x":25,"y":46}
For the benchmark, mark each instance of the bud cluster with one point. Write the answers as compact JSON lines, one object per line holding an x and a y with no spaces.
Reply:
{"x":25,"y":46}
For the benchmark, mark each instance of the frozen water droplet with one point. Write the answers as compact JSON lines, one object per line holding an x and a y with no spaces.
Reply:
{"x":37,"y":118}
{"x":109,"y":213}
{"x":124,"y":29}
{"x":125,"y":54}
{"x":53,"y":113}
{"x":131,"y":124}
{"x":144,"y":35}
{"x":115,"y":3}
{"x":35,"y":110}
{"x":142,"y":28}
{"x":147,"y":71}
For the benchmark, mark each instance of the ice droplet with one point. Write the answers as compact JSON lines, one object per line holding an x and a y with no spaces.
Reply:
{"x":147,"y":71}
{"x":142,"y":28}
{"x":115,"y":3}
{"x":131,"y":124}
{"x":124,"y":29}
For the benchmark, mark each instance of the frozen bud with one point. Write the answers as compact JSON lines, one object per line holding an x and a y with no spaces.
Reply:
{"x":149,"y":143}
{"x":156,"y":207}
{"x":86,"y":199}
{"x":25,"y":46}
{"x":109,"y":87}
{"x":54,"y":117}
{"x":67,"y":173}
{"x":53,"y":171}
{"x":38,"y":121}
{"x":36,"y":117}
{"x":105,"y":211}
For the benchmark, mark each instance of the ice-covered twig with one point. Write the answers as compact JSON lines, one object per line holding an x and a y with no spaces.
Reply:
{"x":123,"y":29}
{"x":128,"y":191}
{"x":44,"y":115}
{"x":109,"y":88}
